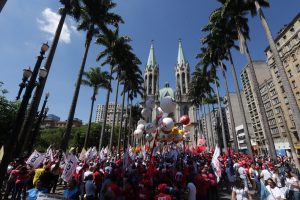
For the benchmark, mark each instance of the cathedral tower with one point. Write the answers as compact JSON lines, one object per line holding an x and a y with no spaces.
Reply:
{"x":151,"y":75}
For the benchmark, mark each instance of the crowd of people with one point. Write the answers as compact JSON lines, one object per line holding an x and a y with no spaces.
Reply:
{"x":163,"y":176}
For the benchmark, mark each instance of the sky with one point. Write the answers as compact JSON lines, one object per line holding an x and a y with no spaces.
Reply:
{"x":25,"y":25}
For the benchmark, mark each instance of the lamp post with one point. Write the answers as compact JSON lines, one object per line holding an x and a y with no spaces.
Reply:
{"x":42,"y":115}
{"x":11,"y":145}
{"x":26,"y":75}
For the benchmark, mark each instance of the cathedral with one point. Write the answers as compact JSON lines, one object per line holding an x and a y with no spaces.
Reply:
{"x":180,"y":93}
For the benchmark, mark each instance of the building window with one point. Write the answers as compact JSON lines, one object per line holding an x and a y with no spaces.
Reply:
{"x":282,"y":89}
{"x":277,"y":110}
{"x":292,"y":30}
{"x":294,"y":57}
{"x":275,"y":101}
{"x":273,"y":92}
{"x":290,"y":74}
{"x":286,"y":101}
{"x":282,"y":129}
{"x":298,"y":68}
{"x":279,"y":119}
{"x":298,"y":95}
{"x":284,"y":37}
{"x":294,"y":84}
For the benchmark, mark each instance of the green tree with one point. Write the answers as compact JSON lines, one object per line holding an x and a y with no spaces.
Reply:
{"x":95,"y":16}
{"x":8,"y":111}
{"x":95,"y":79}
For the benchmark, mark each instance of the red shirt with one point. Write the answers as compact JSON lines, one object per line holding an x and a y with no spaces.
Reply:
{"x":98,"y":178}
{"x":163,"y":196}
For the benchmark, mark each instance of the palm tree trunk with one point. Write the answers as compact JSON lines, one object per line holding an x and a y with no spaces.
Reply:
{"x":114,"y":116}
{"x":261,"y":109}
{"x":284,"y":78}
{"x":90,"y":121}
{"x":221,"y":116}
{"x":235,"y":142}
{"x":105,"y":112}
{"x":121,"y":122}
{"x":66,"y":136}
{"x":126,"y":123}
{"x":244,"y":120}
{"x":130,"y":121}
{"x":211,"y":128}
{"x":206,"y":128}
{"x":36,"y":97}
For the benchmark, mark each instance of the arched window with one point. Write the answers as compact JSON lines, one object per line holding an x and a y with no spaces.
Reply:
{"x":185,"y":110}
{"x":178,"y":80}
{"x":150,"y":84}
{"x":183,"y":82}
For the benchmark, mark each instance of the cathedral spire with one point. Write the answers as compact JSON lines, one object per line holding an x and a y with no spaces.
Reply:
{"x":180,"y":57}
{"x":151,"y":58}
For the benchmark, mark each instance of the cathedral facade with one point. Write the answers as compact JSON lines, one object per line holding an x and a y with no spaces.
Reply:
{"x":180,"y":93}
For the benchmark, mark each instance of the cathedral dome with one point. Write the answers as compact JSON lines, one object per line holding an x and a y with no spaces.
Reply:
{"x":166,"y":92}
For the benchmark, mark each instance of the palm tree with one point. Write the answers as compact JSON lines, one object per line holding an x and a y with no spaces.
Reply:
{"x":234,"y":13}
{"x":214,"y":41}
{"x":115,"y":49}
{"x":95,"y":15}
{"x":95,"y":79}
{"x":255,"y":7}
{"x":225,"y":34}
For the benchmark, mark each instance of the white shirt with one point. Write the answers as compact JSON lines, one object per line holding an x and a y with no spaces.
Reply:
{"x":275,"y":193}
{"x":241,"y":194}
{"x":192,"y":191}
{"x":242,"y":172}
{"x":276,"y":179}
{"x":289,"y":183}
{"x":266,"y":174}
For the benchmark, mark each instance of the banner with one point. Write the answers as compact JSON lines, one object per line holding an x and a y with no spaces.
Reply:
{"x":216,"y":163}
{"x":69,"y":168}
{"x":35,"y":159}
{"x":49,"y":154}
{"x":43,"y":196}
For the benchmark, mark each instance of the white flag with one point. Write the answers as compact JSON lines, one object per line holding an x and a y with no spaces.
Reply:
{"x":35,"y":159}
{"x":49,"y":154}
{"x":70,"y":167}
{"x":216,"y":163}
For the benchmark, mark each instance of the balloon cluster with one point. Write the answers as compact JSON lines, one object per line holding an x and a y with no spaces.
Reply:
{"x":163,"y":124}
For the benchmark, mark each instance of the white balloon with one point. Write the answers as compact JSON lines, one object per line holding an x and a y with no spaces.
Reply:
{"x":149,"y":137}
{"x":167,"y":124}
{"x":138,"y":133}
{"x":141,"y":127}
{"x":146,"y":112}
{"x":168,"y":104}
{"x":150,"y":127}
{"x":150,"y":103}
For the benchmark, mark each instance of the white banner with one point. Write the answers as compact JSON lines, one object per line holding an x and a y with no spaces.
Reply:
{"x":43,"y":196}
{"x":216,"y":163}
{"x":35,"y":159}
{"x":49,"y":154}
{"x":69,"y":168}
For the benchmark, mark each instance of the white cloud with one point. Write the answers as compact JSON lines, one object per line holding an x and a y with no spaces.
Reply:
{"x":48,"y":23}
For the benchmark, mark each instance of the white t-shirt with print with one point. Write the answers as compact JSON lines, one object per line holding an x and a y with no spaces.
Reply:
{"x":275,"y":193}
{"x":289,"y":183}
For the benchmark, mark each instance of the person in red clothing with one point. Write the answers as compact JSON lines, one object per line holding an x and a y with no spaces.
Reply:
{"x":162,"y":195}
{"x":21,"y":178}
{"x":98,"y":179}
{"x":202,"y":184}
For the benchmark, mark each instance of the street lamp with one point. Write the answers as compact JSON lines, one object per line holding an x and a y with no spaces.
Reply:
{"x":26,"y":75}
{"x":42,"y":115}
